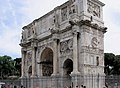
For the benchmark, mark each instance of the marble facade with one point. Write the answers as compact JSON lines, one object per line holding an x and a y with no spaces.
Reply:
{"x":67,"y":41}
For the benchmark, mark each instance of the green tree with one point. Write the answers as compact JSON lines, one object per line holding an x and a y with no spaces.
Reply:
{"x":6,"y":66}
{"x":109,"y":63}
{"x":117,"y":65}
{"x":17,"y":64}
{"x":112,"y":64}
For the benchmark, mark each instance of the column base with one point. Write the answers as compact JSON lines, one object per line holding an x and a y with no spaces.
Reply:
{"x":55,"y":74}
{"x":22,"y":77}
{"x":75,"y":73}
{"x":33,"y":76}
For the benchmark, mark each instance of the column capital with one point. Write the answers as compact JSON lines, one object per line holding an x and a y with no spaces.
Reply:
{"x":75,"y":32}
{"x":75,"y":29}
{"x":55,"y":37}
{"x":23,"y":50}
{"x":34,"y":44}
{"x":74,"y":19}
{"x":54,"y":30}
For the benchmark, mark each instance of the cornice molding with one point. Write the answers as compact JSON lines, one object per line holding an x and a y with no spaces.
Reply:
{"x":93,"y":25}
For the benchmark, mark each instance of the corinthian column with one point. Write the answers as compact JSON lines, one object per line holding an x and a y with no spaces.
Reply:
{"x":34,"y":62}
{"x":23,"y":63}
{"x":75,"y":50}
{"x":55,"y":57}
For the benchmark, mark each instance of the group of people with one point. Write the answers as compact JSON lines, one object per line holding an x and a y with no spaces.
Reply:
{"x":76,"y":87}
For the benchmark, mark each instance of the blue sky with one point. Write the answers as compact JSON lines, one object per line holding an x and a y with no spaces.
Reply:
{"x":14,"y":14}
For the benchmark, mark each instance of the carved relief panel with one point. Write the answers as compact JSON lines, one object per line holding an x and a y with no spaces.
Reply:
{"x":94,"y":42}
{"x":93,"y":9}
{"x":66,"y":47}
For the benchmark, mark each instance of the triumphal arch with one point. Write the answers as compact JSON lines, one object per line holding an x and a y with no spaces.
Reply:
{"x":65,"y":47}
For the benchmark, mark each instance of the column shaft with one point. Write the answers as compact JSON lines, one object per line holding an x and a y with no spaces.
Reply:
{"x":23,"y":64}
{"x":55,"y":58}
{"x":33,"y":62}
{"x":75,"y":52}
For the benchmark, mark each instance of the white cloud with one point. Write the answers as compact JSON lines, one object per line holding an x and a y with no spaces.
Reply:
{"x":12,"y":11}
{"x":9,"y":31}
{"x":9,"y":41}
{"x":36,"y":8}
{"x":111,"y":11}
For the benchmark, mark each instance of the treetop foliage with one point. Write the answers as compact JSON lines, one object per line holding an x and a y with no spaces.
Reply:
{"x":112,"y":64}
{"x":8,"y":66}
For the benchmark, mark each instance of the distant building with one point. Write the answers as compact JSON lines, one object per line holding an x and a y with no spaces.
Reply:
{"x":65,"y":47}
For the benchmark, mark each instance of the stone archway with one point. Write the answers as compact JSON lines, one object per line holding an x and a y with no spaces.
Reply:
{"x":47,"y":62}
{"x":30,"y":71}
{"x":68,"y":67}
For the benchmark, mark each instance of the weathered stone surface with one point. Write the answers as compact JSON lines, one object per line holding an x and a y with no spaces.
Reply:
{"x":67,"y":41}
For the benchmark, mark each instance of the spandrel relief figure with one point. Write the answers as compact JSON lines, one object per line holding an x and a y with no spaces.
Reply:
{"x":63,"y":46}
{"x":29,"y":58}
{"x":70,"y":44}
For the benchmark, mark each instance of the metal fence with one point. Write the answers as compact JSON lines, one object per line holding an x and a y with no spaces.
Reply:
{"x":11,"y":83}
{"x":112,"y":81}
{"x":91,"y":81}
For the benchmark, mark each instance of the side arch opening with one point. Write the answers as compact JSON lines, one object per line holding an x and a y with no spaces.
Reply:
{"x":68,"y":67}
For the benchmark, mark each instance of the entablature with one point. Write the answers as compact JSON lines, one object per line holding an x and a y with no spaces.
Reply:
{"x":93,"y":25}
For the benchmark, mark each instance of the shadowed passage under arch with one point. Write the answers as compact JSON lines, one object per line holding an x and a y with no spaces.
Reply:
{"x":47,"y":62}
{"x":68,"y":66}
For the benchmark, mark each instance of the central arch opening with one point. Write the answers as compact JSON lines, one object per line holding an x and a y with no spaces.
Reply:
{"x":68,"y":67}
{"x":47,"y":62}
